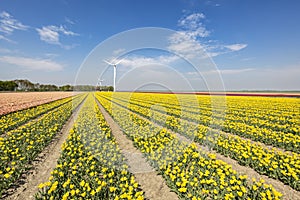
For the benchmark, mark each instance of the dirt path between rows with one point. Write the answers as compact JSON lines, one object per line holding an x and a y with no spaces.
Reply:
{"x":44,"y":163}
{"x":151,"y":183}
{"x":287,"y":191}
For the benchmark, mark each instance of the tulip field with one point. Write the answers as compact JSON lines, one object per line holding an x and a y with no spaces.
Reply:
{"x":181,"y":136}
{"x":10,"y":102}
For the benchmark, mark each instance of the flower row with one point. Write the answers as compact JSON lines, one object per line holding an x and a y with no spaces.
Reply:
{"x":235,"y":124}
{"x":15,"y":119}
{"x":273,"y":163}
{"x":192,"y":174}
{"x":277,"y":114}
{"x":21,"y":146}
{"x":91,"y":165}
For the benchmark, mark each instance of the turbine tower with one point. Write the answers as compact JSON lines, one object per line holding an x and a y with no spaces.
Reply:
{"x":115,"y":71}
{"x":99,"y":83}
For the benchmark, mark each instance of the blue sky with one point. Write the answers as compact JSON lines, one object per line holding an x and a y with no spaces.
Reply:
{"x":253,"y":44}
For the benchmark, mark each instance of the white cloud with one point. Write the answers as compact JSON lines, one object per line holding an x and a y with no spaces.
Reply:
{"x":48,"y":35}
{"x":6,"y":39}
{"x":191,"y":21}
{"x":138,"y":61}
{"x":212,"y":3}
{"x":193,"y":26}
{"x":191,"y":41}
{"x":51,"y":34}
{"x":51,"y":55}
{"x":236,"y":47}
{"x":8,"y":24}
{"x":118,"y":51}
{"x":32,"y":63}
{"x":185,"y":45}
{"x":64,"y":31}
{"x":2,"y":50}
{"x":69,"y":21}
{"x":221,"y":72}
{"x":235,"y":71}
{"x":152,"y":76}
{"x":186,"y":41}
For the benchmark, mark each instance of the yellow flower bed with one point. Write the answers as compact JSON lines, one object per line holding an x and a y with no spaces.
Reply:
{"x":20,"y":146}
{"x":15,"y":119}
{"x":273,"y":121}
{"x":273,"y":163}
{"x":192,"y":174}
{"x":91,"y":165}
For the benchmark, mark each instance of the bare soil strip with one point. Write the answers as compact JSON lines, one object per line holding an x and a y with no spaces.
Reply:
{"x":151,"y":183}
{"x":287,"y":191}
{"x":44,"y":164}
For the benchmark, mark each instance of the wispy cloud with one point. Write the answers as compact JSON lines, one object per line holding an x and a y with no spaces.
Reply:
{"x":32,"y":63}
{"x":193,"y":26}
{"x":51,"y":55}
{"x":51,"y":34}
{"x":3,"y":50}
{"x":185,"y":45}
{"x":236,"y":47}
{"x":138,"y":61}
{"x":69,"y":21}
{"x":235,"y":71}
{"x":48,"y":35}
{"x":192,"y":39}
{"x":6,"y":39}
{"x":221,"y":71}
{"x":8,"y":24}
{"x":186,"y":42}
{"x":118,"y":51}
{"x":212,"y":3}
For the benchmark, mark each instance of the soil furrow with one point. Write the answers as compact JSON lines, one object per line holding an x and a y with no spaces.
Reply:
{"x":44,"y":164}
{"x":287,"y":191}
{"x":151,"y":183}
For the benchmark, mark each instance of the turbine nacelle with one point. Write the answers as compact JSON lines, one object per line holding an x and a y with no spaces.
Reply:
{"x":113,"y":64}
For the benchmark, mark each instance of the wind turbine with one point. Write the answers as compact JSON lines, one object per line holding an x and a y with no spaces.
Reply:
{"x":115,"y":71}
{"x":99,"y":83}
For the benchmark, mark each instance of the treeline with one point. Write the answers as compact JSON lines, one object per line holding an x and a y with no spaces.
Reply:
{"x":25,"y":85}
{"x":8,"y":85}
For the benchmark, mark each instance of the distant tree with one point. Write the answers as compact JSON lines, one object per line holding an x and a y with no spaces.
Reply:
{"x":48,"y":87}
{"x":66,"y":88}
{"x":110,"y":88}
{"x":37,"y":87}
{"x":26,"y":85}
{"x":8,"y":86}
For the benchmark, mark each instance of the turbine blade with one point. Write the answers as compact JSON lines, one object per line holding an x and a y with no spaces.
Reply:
{"x":108,"y":62}
{"x":118,"y":62}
